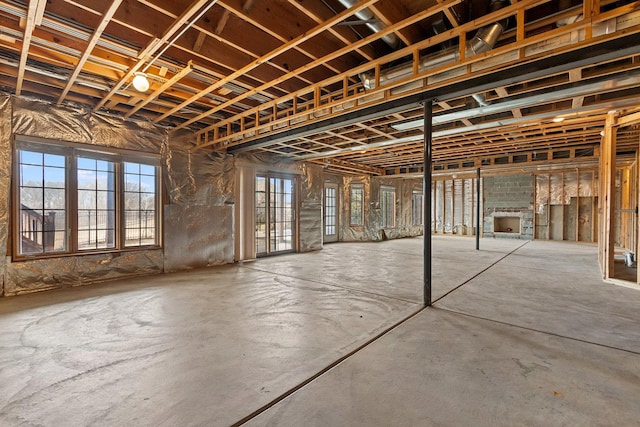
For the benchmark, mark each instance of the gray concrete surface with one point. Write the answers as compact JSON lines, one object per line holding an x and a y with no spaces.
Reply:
{"x":532,"y":337}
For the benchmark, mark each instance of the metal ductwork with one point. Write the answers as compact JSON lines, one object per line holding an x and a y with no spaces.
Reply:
{"x":484,"y":40}
{"x":440,"y":26}
{"x":373,"y":23}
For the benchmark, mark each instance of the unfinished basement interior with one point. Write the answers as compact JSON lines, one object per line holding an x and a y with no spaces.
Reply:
{"x":213,"y":212}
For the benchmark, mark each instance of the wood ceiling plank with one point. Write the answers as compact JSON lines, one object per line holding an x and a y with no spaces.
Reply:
{"x":106,"y":64}
{"x":391,"y":12}
{"x":451,"y":17}
{"x":95,"y":37}
{"x":319,"y":16}
{"x":153,"y":46}
{"x":220,"y":51}
{"x":478,"y":22}
{"x":338,"y":18}
{"x":277,"y":24}
{"x":170,"y":82}
{"x":289,"y":45}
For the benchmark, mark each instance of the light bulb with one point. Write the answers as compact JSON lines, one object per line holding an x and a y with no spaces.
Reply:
{"x":140,"y":82}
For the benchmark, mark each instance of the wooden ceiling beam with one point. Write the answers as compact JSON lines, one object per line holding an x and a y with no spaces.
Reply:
{"x":264,"y":58}
{"x":392,"y":12}
{"x":173,"y":80}
{"x":95,"y":37}
{"x":199,"y":41}
{"x":244,"y":15}
{"x":153,"y":46}
{"x":223,"y":139}
{"x":366,"y":52}
{"x":102,"y":63}
{"x":35,"y":11}
{"x":222,"y":22}
{"x":184,"y":51}
{"x":328,"y":24}
{"x":352,"y":167}
{"x":448,"y":12}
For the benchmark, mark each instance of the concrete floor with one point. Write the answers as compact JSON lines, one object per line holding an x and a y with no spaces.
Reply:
{"x":521,"y":333}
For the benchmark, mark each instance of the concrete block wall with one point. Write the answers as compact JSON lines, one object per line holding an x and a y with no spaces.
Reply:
{"x":509,"y":196}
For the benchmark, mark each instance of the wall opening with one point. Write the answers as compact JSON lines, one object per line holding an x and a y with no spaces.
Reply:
{"x":506,"y":224}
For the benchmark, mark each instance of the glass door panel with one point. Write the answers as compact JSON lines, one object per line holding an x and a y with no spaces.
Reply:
{"x":275,"y":215}
{"x":330,"y":213}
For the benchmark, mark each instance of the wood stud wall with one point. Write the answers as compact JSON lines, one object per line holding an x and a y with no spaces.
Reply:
{"x":453,"y":204}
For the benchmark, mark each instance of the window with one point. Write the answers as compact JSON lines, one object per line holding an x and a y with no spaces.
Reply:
{"x":356,"y":192}
{"x":388,"y":206}
{"x":96,"y":203}
{"x":139,"y":204}
{"x":416,"y":208}
{"x":43,"y":202}
{"x":74,"y":200}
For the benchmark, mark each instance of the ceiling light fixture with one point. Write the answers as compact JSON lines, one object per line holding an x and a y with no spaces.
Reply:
{"x":558,"y":119}
{"x":140,"y":82}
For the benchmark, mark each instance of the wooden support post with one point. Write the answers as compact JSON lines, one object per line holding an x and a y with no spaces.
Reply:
{"x":607,"y":197}
{"x":637,"y":246}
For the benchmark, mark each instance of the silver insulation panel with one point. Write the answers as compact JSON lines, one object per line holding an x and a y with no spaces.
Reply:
{"x":371,"y":229}
{"x":311,"y":192}
{"x":197,"y":236}
{"x":198,"y":211}
{"x":198,"y":217}
{"x":560,"y":188}
{"x":5,"y":182}
{"x":404,"y":206}
{"x":43,"y":274}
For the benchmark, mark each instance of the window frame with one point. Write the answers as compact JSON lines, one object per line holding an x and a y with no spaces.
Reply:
{"x":356,"y":186}
{"x":72,"y":152}
{"x":384,"y":209}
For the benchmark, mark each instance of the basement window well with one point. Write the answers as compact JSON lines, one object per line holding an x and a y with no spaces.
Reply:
{"x":506,"y":224}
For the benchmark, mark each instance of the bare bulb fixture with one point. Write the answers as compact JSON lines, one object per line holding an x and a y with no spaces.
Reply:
{"x":140,"y":82}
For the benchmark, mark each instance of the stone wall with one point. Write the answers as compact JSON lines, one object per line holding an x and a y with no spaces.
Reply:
{"x":508,"y":206}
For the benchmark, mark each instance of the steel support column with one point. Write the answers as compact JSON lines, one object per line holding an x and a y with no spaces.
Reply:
{"x":478,"y":209}
{"x":428,"y":132}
